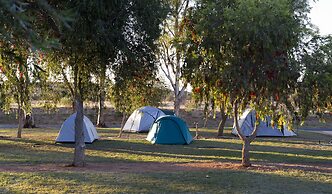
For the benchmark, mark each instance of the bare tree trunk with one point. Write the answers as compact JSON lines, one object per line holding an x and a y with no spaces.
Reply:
{"x":20,"y":121}
{"x":172,"y":56}
{"x":70,"y":87}
{"x":245,"y":140}
{"x":206,"y":120}
{"x":222,"y":122}
{"x":124,"y":116}
{"x":245,"y":153}
{"x":100,"y":116}
{"x":221,"y":125}
{"x":73,"y":106}
{"x":177,"y":106}
{"x":79,"y":154}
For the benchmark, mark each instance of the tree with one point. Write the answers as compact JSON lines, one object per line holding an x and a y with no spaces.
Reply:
{"x":204,"y":41}
{"x":144,"y":90}
{"x":21,"y":35}
{"x":314,"y":93}
{"x":172,"y":48}
{"x":16,"y":80}
{"x":78,"y":53}
{"x":259,"y":68}
{"x":101,"y":29}
{"x":101,"y":96}
{"x":263,"y":51}
{"x":135,"y":66}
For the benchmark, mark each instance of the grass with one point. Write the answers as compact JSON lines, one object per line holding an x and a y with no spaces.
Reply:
{"x":222,"y":181}
{"x":37,"y":147}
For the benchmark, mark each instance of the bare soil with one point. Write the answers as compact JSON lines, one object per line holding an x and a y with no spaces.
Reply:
{"x":122,"y":167}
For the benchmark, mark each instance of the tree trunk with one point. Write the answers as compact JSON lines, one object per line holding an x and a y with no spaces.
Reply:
{"x":124,"y":116}
{"x":245,"y":153}
{"x":245,"y":140}
{"x":221,"y":125}
{"x":177,"y":106}
{"x":79,"y":154}
{"x":206,"y":120}
{"x":73,"y":106}
{"x":100,"y":116}
{"x":20,"y":121}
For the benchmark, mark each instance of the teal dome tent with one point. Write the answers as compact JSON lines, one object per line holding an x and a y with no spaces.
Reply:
{"x":169,"y":130}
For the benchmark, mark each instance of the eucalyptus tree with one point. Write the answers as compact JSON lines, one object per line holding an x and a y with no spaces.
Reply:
{"x":102,"y":31}
{"x":263,"y":70}
{"x":205,"y":59}
{"x":79,"y":53}
{"x":172,"y":48}
{"x":15,"y":81}
{"x":314,"y":94}
{"x":135,"y":69}
{"x":140,"y":88}
{"x":255,"y":57}
{"x":24,"y":28}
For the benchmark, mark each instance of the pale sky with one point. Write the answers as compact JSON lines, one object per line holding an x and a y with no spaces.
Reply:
{"x":321,"y":15}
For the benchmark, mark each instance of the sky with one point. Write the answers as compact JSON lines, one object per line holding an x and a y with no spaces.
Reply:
{"x":321,"y":15}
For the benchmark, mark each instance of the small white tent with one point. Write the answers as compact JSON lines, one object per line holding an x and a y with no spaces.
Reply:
{"x":67,"y":131}
{"x":247,"y":123}
{"x":142,"y":119}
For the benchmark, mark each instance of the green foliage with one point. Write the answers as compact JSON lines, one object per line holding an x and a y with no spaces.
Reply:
{"x":135,"y":66}
{"x":116,"y":35}
{"x":31,"y":23}
{"x":16,"y":74}
{"x":314,"y":92}
{"x":246,"y":52}
{"x":128,"y":96}
{"x":26,"y":27}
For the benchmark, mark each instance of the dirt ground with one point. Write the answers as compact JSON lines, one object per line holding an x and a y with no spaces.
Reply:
{"x":122,"y":167}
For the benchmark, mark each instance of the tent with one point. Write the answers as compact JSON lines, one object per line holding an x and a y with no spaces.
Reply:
{"x":169,"y":130}
{"x":247,"y":123}
{"x":142,"y":119}
{"x":67,"y":131}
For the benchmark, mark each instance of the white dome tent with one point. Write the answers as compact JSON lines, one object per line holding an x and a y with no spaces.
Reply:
{"x":67,"y":131}
{"x":142,"y":119}
{"x":247,"y":122}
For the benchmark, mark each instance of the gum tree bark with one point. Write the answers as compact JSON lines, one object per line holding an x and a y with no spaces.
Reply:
{"x":20,"y":111}
{"x":100,"y":116}
{"x":245,"y":140}
{"x":124,"y":116}
{"x":20,"y":116}
{"x":222,"y":122}
{"x":79,"y":153}
{"x":170,"y":55}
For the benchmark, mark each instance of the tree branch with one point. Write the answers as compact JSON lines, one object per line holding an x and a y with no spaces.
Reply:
{"x":236,"y":121}
{"x":67,"y":82}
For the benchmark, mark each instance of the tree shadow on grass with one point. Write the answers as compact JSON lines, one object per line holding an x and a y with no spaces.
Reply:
{"x":197,"y":151}
{"x":217,"y":181}
{"x":211,"y":150}
{"x":27,"y":151}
